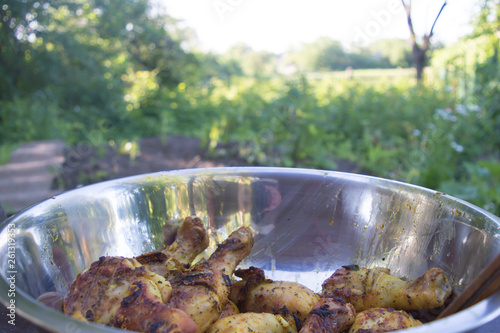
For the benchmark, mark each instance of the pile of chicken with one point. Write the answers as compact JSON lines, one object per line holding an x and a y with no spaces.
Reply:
{"x":162,"y":291}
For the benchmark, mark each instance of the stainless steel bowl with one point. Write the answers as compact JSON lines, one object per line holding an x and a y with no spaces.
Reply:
{"x":308,"y":223}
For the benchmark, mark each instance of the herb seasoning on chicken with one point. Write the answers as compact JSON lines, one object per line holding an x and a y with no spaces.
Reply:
{"x":369,"y":288}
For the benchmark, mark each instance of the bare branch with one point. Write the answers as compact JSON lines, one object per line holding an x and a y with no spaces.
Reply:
{"x":439,"y":14}
{"x":408,"y":16}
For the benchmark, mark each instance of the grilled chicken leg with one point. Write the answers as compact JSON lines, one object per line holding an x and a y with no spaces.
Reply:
{"x":228,"y":310}
{"x":255,"y":293}
{"x":202,"y":291}
{"x":252,"y":322}
{"x":190,"y":241}
{"x":329,"y":315}
{"x":370,"y":288}
{"x":120,"y":292}
{"x":382,"y":320}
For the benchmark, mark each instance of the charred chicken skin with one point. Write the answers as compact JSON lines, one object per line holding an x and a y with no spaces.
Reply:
{"x":132,"y":293}
{"x":257,"y":294}
{"x":329,"y":315}
{"x":202,"y":291}
{"x":120,"y":292}
{"x":369,"y":288}
{"x":382,"y":320}
{"x":163,"y":291}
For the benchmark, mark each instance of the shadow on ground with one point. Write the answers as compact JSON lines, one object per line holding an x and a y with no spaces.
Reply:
{"x":85,"y":165}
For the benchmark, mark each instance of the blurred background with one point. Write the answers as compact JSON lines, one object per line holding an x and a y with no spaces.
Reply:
{"x":92,"y":90}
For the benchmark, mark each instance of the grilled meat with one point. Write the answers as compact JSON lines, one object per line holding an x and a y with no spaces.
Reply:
{"x":228,"y":310}
{"x":202,"y":291}
{"x":370,"y":288}
{"x":382,"y":320}
{"x":252,"y":322}
{"x":329,"y":315}
{"x":120,"y":292}
{"x":257,"y":294}
{"x":163,"y":291}
{"x":191,"y":239}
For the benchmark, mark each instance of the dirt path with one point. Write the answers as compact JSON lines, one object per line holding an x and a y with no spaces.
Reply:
{"x":87,"y":165}
{"x":28,"y":177}
{"x":42,"y":169}
{"x":38,"y":170}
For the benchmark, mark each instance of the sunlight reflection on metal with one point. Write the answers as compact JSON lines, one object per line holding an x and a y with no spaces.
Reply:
{"x":308,"y":223}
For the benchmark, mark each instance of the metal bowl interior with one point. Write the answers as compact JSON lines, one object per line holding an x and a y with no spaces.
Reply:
{"x":308,"y":223}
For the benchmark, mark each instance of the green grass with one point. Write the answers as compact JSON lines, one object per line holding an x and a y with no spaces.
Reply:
{"x":5,"y":151}
{"x":361,"y":74}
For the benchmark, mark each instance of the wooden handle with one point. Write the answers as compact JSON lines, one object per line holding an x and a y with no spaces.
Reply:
{"x":482,"y":287}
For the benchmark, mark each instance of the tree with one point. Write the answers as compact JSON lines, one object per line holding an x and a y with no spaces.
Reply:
{"x":488,"y":20}
{"x":81,"y":58}
{"x":419,"y":51}
{"x":324,"y":54}
{"x":21,"y":22}
{"x":251,"y":62}
{"x":397,"y":51}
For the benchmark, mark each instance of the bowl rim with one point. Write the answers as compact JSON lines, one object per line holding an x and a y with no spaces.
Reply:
{"x":54,"y":320}
{"x":252,"y":170}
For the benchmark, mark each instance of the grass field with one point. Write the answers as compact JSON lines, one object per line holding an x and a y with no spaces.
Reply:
{"x":365,"y":74}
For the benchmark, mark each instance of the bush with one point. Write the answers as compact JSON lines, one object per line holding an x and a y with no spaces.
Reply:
{"x":480,"y":185}
{"x":31,"y":119}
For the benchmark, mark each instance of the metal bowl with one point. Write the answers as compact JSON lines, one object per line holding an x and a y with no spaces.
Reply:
{"x":308,"y":223}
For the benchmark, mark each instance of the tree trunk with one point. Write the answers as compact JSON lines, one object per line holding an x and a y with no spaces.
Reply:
{"x":419,"y":59}
{"x":419,"y":51}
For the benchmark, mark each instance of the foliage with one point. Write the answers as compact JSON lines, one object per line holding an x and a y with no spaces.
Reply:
{"x":471,"y":69}
{"x":375,"y":75}
{"x":396,"y":51}
{"x":251,"y":62}
{"x":5,"y":151}
{"x":392,"y":129}
{"x":326,"y":54}
{"x":76,"y":54}
{"x":99,"y":72}
{"x":35,"y":119}
{"x":479,"y":185}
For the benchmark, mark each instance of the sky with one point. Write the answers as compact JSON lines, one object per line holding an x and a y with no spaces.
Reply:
{"x":279,"y":25}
